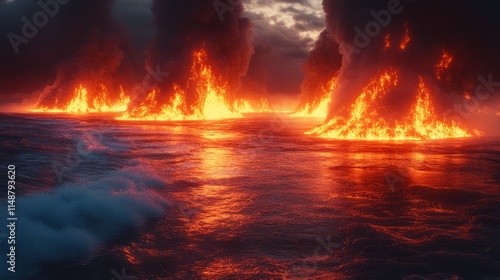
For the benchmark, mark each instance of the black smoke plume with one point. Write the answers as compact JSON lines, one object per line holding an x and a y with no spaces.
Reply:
{"x":183,"y":27}
{"x":79,"y":42}
{"x":322,"y":65}
{"x":467,"y":30}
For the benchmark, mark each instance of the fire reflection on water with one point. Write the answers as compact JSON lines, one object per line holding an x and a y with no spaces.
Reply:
{"x":240,"y":211}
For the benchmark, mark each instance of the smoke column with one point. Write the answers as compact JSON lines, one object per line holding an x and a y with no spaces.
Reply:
{"x":183,"y":27}
{"x":468,"y":31}
{"x":100,"y":60}
{"x":80,"y":42}
{"x":322,"y":65}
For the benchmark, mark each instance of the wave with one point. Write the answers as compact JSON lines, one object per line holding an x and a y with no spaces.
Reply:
{"x":74,"y":220}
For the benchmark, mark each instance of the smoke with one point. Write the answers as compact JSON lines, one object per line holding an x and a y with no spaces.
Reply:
{"x":100,"y":61}
{"x":78,"y":41}
{"x":183,"y":27}
{"x":468,"y":31}
{"x":322,"y":65}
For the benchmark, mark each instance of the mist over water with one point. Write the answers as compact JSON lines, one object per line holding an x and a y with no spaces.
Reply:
{"x":248,"y":199}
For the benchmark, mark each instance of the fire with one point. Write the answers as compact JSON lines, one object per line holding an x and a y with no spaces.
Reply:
{"x":363,"y":120}
{"x":245,"y":106}
{"x":319,"y":108}
{"x":406,"y":39}
{"x":85,"y":102}
{"x":387,"y":41}
{"x":427,"y":125}
{"x":444,"y":64}
{"x":211,"y":103}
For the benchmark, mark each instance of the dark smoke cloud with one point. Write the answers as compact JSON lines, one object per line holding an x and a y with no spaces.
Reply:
{"x":186,"y":26}
{"x":81,"y":38}
{"x":468,"y":30}
{"x":99,"y":62}
{"x":322,"y":65}
{"x":138,"y":19}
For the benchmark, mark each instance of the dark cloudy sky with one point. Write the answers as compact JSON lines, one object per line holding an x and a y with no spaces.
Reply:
{"x":284,"y":33}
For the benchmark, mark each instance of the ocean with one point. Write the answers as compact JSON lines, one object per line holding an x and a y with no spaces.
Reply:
{"x":249,"y":198}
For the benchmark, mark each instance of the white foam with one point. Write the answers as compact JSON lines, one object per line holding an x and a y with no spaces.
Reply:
{"x":73,"y":220}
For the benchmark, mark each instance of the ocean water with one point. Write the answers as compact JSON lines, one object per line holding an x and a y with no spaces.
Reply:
{"x":251,"y":198}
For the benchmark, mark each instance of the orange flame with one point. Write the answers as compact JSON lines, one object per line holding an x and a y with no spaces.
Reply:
{"x":406,"y":39}
{"x":211,"y":103}
{"x":387,"y":41}
{"x":82,"y":102}
{"x":444,"y":64}
{"x":319,"y":108}
{"x":245,"y":106}
{"x":364,"y":122}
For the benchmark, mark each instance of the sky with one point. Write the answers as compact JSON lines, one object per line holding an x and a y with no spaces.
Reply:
{"x":284,"y":33}
{"x":305,"y":18}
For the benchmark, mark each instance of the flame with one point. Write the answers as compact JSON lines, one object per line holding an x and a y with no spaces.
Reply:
{"x":211,"y":103}
{"x":245,"y":106}
{"x":444,"y":64}
{"x":82,"y":102}
{"x":319,"y":109}
{"x":406,"y":39}
{"x":364,"y":122}
{"x":387,"y":41}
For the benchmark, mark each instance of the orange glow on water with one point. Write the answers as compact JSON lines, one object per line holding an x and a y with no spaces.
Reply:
{"x":364,"y":121}
{"x":83,"y":101}
{"x":319,"y":108}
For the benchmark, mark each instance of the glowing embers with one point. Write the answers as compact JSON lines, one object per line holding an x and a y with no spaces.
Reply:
{"x":84,"y":101}
{"x":362,"y":121}
{"x":387,"y":42}
{"x":318,"y":108}
{"x":210,"y":101}
{"x":444,"y":64}
{"x":406,"y":38}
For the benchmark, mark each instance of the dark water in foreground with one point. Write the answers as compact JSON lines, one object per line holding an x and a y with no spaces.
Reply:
{"x":245,"y":199}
